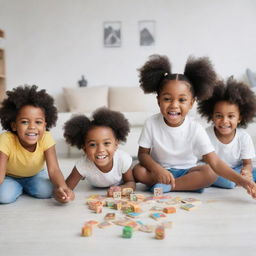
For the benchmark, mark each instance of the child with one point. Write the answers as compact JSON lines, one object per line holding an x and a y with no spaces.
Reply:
{"x":231,"y":107}
{"x":171,"y":143}
{"x":26,"y":114}
{"x":103,"y":164}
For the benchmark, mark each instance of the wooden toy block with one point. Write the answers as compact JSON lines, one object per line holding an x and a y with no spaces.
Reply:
{"x":188,"y":207}
{"x":86,"y":230}
{"x":117,"y":195}
{"x":118,"y":205}
{"x":92,"y":205}
{"x":105,"y":224}
{"x":158,"y":192}
{"x":169,"y":210}
{"x":160,"y":232}
{"x":133,"y":197}
{"x":98,"y":208}
{"x":91,"y":222}
{"x":191,"y":200}
{"x":113,"y":189}
{"x":133,"y":214}
{"x":157,"y":215}
{"x":146,"y":228}
{"x":156,"y":209}
{"x":127,"y":191}
{"x":127,"y":232}
{"x":110,"y":216}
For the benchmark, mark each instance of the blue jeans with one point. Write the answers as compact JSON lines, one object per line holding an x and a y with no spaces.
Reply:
{"x":38,"y":186}
{"x":224,"y":183}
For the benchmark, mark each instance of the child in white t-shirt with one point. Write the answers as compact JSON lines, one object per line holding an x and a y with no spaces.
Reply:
{"x":171,"y":143}
{"x":103,"y":164}
{"x":231,"y":107}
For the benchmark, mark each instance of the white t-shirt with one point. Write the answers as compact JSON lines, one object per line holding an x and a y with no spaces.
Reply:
{"x":175,"y":147}
{"x":122,"y":161}
{"x":241,"y":147}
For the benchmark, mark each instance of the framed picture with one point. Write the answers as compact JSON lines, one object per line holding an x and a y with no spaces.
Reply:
{"x":147,"y":32}
{"x":112,"y":34}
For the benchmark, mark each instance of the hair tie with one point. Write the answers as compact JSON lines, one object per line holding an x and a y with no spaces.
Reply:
{"x":165,"y":74}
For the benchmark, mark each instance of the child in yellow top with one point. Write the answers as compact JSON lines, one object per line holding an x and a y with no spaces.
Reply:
{"x":26,"y":114}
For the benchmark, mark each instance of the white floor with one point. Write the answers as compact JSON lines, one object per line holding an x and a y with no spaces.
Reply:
{"x":224,"y":224}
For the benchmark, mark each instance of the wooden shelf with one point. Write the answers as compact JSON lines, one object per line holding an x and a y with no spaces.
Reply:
{"x":2,"y":69}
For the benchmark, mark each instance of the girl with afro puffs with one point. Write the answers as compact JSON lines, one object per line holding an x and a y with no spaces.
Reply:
{"x":26,"y":115}
{"x":171,"y":143}
{"x":103,"y":164}
{"x":231,"y":107}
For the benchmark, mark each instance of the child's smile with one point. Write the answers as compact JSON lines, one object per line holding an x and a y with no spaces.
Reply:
{"x":175,"y":100}
{"x":226,"y":117}
{"x":30,"y":126}
{"x":100,"y":146}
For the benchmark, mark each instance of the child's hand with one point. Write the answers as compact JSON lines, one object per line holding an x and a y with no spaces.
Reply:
{"x":250,"y":186}
{"x":165,"y":177}
{"x":247,"y":174}
{"x":112,"y":189}
{"x":63,"y":195}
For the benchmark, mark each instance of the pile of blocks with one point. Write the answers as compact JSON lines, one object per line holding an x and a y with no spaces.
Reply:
{"x":132,"y":207}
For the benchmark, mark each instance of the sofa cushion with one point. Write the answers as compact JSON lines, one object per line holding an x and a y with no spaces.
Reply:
{"x":86,"y":99}
{"x":131,"y":99}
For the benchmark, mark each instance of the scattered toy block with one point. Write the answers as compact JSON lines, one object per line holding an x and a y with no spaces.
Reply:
{"x":105,"y":224}
{"x":146,"y":228}
{"x":117,"y":195}
{"x":158,"y":192}
{"x":188,"y":207}
{"x":127,"y":232}
{"x":157,"y":215}
{"x":127,"y":191}
{"x":110,"y":216}
{"x":191,"y":200}
{"x":133,"y":197}
{"x":86,"y":230}
{"x":160,"y":232}
{"x":133,"y":214}
{"x":169,"y":210}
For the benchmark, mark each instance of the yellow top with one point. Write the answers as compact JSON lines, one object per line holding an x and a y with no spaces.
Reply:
{"x":21,"y":162}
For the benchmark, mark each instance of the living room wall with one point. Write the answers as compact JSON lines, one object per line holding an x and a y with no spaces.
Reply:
{"x":51,"y":43}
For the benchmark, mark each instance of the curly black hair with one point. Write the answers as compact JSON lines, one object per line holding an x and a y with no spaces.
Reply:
{"x":27,"y":95}
{"x":234,"y":92}
{"x":198,"y":74}
{"x":76,"y":129}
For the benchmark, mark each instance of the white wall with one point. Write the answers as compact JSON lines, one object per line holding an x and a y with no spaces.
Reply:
{"x":51,"y":43}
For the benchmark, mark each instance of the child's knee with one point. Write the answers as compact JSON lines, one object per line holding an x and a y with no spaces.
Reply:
{"x":40,"y":189}
{"x":9,"y":192}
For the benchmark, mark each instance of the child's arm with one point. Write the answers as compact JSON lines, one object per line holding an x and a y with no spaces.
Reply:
{"x":225,"y":171}
{"x":247,"y":169}
{"x":73,"y":178}
{"x":62,"y":193}
{"x":3,"y":164}
{"x":161,"y":175}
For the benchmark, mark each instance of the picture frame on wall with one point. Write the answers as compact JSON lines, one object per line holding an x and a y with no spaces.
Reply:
{"x":112,"y":34}
{"x":147,"y":32}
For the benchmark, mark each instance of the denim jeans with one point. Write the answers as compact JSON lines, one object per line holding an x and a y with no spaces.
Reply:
{"x":38,"y":186}
{"x":224,"y":183}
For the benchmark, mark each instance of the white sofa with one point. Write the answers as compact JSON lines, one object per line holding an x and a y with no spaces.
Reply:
{"x":131,"y":101}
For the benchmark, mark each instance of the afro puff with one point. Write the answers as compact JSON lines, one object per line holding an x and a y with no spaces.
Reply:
{"x":27,"y":95}
{"x":75,"y":129}
{"x":233,"y":92}
{"x":199,"y":74}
